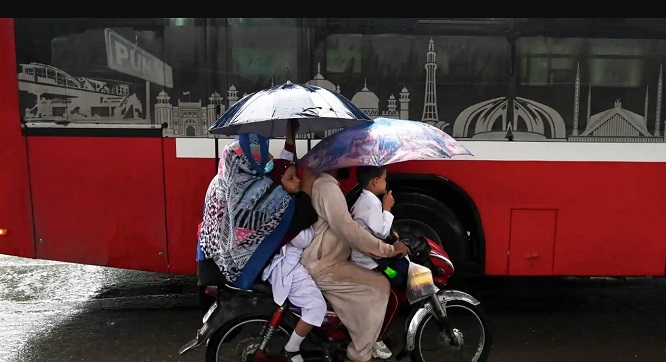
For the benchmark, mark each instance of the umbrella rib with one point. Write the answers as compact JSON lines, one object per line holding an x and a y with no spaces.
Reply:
{"x":339,"y":112}
{"x":253,"y":98}
{"x":274,"y":108}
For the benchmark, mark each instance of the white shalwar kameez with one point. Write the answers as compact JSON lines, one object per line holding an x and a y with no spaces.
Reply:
{"x":368,"y":212}
{"x":290,"y":280}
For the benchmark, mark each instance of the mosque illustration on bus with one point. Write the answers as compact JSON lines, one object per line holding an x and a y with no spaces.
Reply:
{"x":49,"y":94}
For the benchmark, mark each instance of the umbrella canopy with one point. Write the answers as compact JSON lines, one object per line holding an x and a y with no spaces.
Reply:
{"x":266,"y":112}
{"x":383,"y":142}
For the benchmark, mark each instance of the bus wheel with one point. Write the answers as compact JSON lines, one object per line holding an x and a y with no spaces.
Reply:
{"x":418,"y":214}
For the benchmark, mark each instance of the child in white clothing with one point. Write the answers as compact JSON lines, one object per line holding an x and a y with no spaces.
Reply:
{"x":376,"y":217}
{"x":287,"y":276}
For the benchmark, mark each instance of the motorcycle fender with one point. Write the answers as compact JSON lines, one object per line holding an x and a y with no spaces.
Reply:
{"x":452,"y":294}
{"x":224,"y":313}
{"x":413,"y":322}
{"x":215,"y":322}
{"x":416,"y":317}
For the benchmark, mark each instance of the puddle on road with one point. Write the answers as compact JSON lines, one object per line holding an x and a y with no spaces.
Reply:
{"x":36,"y":295}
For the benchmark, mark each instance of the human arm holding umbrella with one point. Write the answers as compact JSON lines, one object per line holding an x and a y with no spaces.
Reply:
{"x":289,"y":151}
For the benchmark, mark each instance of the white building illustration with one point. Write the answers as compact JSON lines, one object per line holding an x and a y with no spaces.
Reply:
{"x":191,"y":119}
{"x":617,"y":124}
{"x":488,"y":120}
{"x":319,"y":81}
{"x":60,"y":96}
{"x":367,"y":101}
{"x":534,"y":121}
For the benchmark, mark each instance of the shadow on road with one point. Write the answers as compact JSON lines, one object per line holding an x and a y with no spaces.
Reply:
{"x":521,"y":295}
{"x":533,"y":319}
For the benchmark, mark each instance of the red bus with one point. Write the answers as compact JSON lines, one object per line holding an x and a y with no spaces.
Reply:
{"x":105,"y":155}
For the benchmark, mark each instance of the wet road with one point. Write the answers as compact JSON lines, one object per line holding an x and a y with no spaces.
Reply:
{"x":67,"y":312}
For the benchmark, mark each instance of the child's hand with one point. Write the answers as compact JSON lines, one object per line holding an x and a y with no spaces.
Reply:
{"x":388,"y":201}
{"x":400,"y":249}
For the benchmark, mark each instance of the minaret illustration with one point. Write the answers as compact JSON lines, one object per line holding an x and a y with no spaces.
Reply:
{"x":430,"y":103}
{"x":660,"y":85}
{"x":574,"y":132}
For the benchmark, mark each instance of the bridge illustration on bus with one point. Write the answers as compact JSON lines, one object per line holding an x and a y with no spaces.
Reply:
{"x":59,"y":96}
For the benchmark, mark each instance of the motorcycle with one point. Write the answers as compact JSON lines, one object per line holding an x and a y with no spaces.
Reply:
{"x":432,"y":328}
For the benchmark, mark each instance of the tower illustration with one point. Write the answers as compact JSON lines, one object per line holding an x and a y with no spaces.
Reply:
{"x":232,"y":95}
{"x":574,"y":132}
{"x":404,"y":103}
{"x":430,"y":103}
{"x":660,"y":85}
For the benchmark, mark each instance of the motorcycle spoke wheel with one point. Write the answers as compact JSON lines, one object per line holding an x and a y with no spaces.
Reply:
{"x":242,"y":341}
{"x":469,"y":327}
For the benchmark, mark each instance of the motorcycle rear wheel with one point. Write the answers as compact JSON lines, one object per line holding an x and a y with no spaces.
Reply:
{"x":229,"y":343}
{"x":428,"y":333}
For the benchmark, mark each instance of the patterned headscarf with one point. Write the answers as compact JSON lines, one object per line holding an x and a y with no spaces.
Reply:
{"x":245,"y":215}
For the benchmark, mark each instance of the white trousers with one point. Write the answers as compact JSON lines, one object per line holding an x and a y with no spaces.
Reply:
{"x":305,"y":294}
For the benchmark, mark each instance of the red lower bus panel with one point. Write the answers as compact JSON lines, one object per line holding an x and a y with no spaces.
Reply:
{"x":610,"y":215}
{"x":186,"y":181}
{"x":99,"y":201}
{"x":531,"y":241}
{"x":15,"y":213}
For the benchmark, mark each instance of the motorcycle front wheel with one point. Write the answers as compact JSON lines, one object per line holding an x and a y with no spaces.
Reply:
{"x":471,"y":332}
{"x":240,"y":339}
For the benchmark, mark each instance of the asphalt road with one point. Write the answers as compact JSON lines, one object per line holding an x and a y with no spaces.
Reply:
{"x":67,"y":312}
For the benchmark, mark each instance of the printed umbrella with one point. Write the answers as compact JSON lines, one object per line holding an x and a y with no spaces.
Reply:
{"x":266,"y":112}
{"x":382,"y":142}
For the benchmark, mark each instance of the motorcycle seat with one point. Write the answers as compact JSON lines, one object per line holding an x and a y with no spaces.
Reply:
{"x":262,"y":287}
{"x":258,"y":287}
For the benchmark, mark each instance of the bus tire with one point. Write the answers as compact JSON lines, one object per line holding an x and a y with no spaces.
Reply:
{"x":421,"y":214}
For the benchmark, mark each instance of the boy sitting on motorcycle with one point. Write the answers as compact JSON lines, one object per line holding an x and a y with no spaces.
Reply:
{"x":376,"y":217}
{"x":287,"y":276}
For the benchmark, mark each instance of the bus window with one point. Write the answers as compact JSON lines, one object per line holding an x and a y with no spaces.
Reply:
{"x":544,"y":61}
{"x":188,"y":108}
{"x":344,"y":53}
{"x":547,"y":61}
{"x":261,"y":50}
{"x":389,"y":73}
{"x":617,"y":62}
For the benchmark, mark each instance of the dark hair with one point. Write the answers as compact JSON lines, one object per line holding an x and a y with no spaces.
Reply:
{"x":365,"y":174}
{"x":340,"y":173}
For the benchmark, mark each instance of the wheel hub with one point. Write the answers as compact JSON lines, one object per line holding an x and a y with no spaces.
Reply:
{"x":247,"y":348}
{"x":453,"y":343}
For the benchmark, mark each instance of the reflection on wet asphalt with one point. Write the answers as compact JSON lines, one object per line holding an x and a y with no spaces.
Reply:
{"x":53,"y":311}
{"x":67,"y":312}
